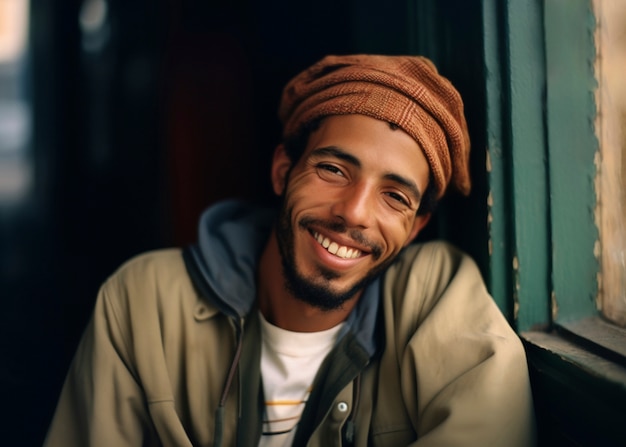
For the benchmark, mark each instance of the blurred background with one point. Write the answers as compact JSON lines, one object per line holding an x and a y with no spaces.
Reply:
{"x":121,"y":120}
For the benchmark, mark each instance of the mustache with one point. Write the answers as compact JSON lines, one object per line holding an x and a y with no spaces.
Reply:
{"x":339,"y":226}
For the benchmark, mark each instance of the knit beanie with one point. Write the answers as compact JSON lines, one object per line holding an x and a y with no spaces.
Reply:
{"x":403,"y":90}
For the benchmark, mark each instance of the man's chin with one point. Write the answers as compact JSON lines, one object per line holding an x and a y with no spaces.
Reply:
{"x":323,"y":291}
{"x":321,"y":294}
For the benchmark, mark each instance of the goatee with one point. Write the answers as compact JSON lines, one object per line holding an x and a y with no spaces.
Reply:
{"x":317,"y":291}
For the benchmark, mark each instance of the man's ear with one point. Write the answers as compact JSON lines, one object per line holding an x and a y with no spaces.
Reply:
{"x":281,"y":164}
{"x":420,"y":222}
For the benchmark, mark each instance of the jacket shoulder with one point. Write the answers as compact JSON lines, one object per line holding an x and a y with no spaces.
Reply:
{"x":435,"y":262}
{"x":426,"y":273}
{"x":454,"y":347}
{"x":151,"y":262}
{"x":440,"y":252}
{"x":152,"y":280}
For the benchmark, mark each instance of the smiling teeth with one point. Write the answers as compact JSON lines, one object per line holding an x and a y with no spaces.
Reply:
{"x":336,"y":249}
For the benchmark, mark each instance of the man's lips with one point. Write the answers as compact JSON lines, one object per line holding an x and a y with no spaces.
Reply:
{"x":341,"y":251}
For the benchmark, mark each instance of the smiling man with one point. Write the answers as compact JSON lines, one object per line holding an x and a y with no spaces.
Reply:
{"x":319,"y":324}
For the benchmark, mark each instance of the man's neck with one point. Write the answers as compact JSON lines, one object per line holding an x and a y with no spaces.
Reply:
{"x":281,"y":308}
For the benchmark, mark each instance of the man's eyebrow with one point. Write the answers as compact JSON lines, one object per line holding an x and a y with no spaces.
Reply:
{"x":334,"y":151}
{"x":407,"y":183}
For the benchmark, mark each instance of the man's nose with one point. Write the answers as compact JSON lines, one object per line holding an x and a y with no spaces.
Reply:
{"x":355,"y":206}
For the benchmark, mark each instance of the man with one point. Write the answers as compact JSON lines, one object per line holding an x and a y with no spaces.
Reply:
{"x":322,"y":325}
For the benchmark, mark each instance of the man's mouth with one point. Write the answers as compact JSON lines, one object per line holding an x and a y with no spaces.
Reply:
{"x":334,"y":248}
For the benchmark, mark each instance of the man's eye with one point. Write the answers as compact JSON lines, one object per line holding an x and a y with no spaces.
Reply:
{"x":326,"y":168}
{"x":398,"y":198}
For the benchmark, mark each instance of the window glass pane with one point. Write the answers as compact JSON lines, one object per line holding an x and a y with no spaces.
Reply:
{"x":611,"y":132}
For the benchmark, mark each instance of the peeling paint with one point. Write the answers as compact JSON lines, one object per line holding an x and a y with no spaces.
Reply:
{"x":610,"y":99}
{"x":489,"y":213}
{"x":599,"y":282}
{"x":516,"y":286}
{"x":597,"y":157}
{"x":488,"y":161}
{"x":554,"y":306}
{"x":516,"y":279}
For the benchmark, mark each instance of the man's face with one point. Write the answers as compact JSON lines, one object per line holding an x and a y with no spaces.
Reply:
{"x":349,"y":206}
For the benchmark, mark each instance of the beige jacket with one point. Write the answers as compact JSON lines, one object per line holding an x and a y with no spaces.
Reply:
{"x":154,"y":359}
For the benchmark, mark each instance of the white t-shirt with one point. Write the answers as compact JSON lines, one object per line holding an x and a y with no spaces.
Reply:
{"x":289,"y":362}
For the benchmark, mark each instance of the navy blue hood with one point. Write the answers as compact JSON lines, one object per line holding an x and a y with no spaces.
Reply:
{"x":231,"y":238}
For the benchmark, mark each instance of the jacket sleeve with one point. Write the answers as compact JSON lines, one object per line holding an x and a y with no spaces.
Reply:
{"x":101,"y":403}
{"x":464,"y":372}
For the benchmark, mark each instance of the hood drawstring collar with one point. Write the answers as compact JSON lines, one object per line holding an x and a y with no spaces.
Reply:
{"x":221,"y":408}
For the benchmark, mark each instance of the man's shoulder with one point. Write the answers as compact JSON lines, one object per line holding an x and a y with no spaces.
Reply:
{"x":154,"y":286}
{"x":154,"y":275}
{"x":164,"y":257}
{"x":159,"y":264}
{"x":425,"y":272}
{"x":436,"y":285}
{"x":439,"y":257}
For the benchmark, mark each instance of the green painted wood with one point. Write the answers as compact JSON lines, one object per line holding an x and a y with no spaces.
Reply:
{"x":527,"y":173}
{"x":570,"y":53}
{"x":498,"y":221}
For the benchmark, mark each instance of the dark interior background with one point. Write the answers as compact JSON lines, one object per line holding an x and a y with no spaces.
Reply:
{"x":167,"y":107}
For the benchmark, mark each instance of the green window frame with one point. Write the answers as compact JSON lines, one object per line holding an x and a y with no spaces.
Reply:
{"x":541,"y":113}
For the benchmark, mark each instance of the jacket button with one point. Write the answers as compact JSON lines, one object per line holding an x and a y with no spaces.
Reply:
{"x":342,"y":406}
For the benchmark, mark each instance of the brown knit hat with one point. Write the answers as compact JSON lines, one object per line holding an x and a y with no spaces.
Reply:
{"x":404,"y":90}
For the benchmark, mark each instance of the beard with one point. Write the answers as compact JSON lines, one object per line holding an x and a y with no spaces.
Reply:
{"x":317,"y":290}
